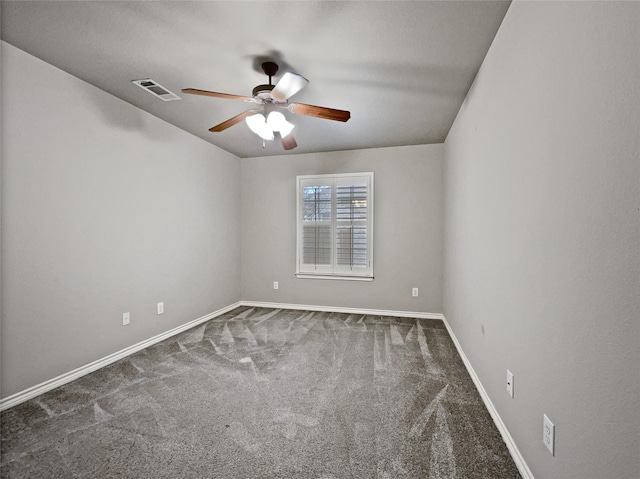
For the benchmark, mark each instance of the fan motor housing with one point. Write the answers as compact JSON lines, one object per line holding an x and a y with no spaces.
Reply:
{"x":262,"y":89}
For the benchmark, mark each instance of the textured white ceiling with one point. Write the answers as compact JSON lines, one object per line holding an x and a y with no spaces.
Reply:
{"x":402,"y":68}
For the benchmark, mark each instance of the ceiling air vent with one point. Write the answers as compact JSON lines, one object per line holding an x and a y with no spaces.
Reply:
{"x":156,"y":89}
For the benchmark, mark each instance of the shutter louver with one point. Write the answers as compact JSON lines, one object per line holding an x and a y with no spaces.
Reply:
{"x":316,"y":245}
{"x":351,"y":246}
{"x":351,"y":230}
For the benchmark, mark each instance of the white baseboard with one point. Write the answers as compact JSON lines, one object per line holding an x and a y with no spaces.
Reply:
{"x":334,"y":309}
{"x":43,"y":387}
{"x":522,"y":466}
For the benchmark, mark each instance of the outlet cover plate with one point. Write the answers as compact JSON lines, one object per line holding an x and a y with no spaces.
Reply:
{"x":510,"y":383}
{"x":126,"y":318}
{"x":548,"y":434}
{"x":160,"y":308}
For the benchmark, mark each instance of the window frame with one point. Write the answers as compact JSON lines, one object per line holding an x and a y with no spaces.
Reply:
{"x":334,"y":271}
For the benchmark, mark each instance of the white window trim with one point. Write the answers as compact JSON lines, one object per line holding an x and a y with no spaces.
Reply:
{"x":299,"y":224}
{"x":336,"y":276}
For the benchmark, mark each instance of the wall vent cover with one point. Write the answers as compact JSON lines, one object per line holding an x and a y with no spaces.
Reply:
{"x":156,"y":89}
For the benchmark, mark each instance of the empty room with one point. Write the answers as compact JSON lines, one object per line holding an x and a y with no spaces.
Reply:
{"x":320,"y":239}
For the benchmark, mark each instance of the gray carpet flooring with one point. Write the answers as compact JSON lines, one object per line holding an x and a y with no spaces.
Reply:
{"x":267,"y":393}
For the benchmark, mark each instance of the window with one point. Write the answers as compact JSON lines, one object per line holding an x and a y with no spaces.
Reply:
{"x":335,"y":226}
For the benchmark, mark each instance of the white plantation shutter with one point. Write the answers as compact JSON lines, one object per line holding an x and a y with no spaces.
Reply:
{"x":316,"y":227}
{"x":351,"y":225}
{"x":335,"y":218}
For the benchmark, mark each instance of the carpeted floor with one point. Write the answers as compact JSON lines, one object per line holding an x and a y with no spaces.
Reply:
{"x":267,"y":393}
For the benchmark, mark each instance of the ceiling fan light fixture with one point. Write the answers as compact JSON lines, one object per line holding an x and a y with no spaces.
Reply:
{"x":270,"y":124}
{"x":277,"y":122}
{"x":258,"y":124}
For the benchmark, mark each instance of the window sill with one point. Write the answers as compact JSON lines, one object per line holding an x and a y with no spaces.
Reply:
{"x":333,"y":276}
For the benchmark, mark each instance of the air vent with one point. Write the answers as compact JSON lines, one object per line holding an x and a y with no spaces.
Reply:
{"x":156,"y":89}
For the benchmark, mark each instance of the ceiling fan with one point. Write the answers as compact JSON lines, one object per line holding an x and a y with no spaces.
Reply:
{"x":267,"y":122}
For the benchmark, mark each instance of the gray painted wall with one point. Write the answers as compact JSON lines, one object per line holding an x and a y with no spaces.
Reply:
{"x":105,"y":209}
{"x":542,"y":237}
{"x":407,"y":229}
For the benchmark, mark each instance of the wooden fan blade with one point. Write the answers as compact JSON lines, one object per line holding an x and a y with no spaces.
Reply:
{"x":228,"y":96}
{"x":289,"y":85}
{"x":289,"y":143}
{"x":231,"y":121}
{"x":319,"y":112}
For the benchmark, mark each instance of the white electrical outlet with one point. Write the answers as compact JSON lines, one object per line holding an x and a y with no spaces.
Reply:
{"x":126,"y":318}
{"x":548,"y":434}
{"x":414,"y":292}
{"x":275,"y":285}
{"x":510,"y":383}
{"x":160,"y":308}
